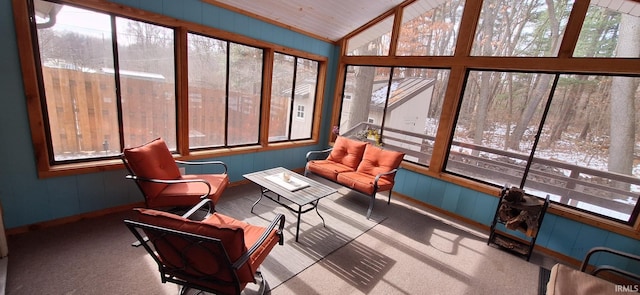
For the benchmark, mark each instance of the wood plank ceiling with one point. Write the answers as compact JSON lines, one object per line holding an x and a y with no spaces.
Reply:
{"x":333,"y":19}
{"x":325,"y":19}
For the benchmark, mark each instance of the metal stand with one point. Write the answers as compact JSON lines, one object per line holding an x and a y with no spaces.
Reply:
{"x":523,"y":247}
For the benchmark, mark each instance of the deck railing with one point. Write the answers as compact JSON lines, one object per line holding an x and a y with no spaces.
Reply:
{"x":576,"y":186}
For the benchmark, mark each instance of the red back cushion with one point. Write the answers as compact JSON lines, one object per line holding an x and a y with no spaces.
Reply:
{"x":347,"y":152}
{"x":152,"y":160}
{"x":377,"y":160}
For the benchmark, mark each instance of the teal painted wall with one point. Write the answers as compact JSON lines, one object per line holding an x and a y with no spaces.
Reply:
{"x":557,"y":233}
{"x":27,"y":199}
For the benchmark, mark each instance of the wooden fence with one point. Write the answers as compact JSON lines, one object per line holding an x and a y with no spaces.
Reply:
{"x":82,"y":113}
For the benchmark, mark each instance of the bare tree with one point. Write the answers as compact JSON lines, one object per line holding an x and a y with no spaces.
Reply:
{"x":364,"y":87}
{"x":623,"y":90}
{"x":207,"y":60}
{"x":482,"y":103}
{"x":541,"y":88}
{"x":145,"y":47}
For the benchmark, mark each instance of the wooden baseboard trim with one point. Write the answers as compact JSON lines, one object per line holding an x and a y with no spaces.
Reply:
{"x":469,"y":222}
{"x":485,"y":228}
{"x":70,"y":219}
{"x":79,"y":217}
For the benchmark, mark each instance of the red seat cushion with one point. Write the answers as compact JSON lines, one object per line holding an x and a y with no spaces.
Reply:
{"x":154,"y":160}
{"x":218,"y":182}
{"x":328,"y":169}
{"x":189,"y":193}
{"x":363,"y":182}
{"x":374,"y":161}
{"x":252,"y":234}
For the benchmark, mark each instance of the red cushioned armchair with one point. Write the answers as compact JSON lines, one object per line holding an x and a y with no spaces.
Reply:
{"x":218,"y":254}
{"x":158,"y":177}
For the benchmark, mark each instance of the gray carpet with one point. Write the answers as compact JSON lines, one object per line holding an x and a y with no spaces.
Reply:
{"x":414,"y":251}
{"x":344,"y":221}
{"x":94,"y":256}
{"x":403,"y":249}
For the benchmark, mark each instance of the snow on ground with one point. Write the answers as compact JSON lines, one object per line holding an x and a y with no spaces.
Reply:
{"x":570,"y":149}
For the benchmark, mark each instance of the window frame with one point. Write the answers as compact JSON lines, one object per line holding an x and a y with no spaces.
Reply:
{"x":530,"y":155}
{"x":293,"y":118}
{"x":459,"y":63}
{"x":394,"y":138}
{"x":37,"y":118}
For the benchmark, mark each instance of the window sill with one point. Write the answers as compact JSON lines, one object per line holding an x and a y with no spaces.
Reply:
{"x":116,"y":164}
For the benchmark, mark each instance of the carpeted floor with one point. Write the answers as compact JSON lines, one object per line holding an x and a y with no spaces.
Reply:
{"x":344,"y":221}
{"x":403,"y":249}
{"x":415,"y":252}
{"x":91,"y":256}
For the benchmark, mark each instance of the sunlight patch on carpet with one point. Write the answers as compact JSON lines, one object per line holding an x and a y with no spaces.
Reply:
{"x":344,"y":221}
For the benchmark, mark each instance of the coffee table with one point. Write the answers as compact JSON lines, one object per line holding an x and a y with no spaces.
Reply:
{"x":300,"y":191}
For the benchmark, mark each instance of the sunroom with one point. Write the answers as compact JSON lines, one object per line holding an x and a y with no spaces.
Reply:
{"x":478,"y":95}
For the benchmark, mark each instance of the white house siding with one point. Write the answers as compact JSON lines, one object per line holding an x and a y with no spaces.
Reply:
{"x":409,"y":116}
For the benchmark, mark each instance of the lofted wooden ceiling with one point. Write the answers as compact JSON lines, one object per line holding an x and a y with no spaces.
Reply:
{"x":331,"y":20}
{"x":325,"y":19}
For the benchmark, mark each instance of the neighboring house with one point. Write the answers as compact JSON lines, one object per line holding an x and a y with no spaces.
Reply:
{"x":406,"y":110}
{"x":303,"y":104}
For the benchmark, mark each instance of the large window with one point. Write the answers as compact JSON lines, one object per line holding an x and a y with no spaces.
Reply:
{"x":108,"y":82}
{"x":146,"y":71}
{"x":293,"y":93}
{"x":428,"y":30}
{"x":207,"y":91}
{"x":372,"y":41}
{"x":589,"y":145}
{"x":523,"y":96}
{"x":574,"y":137}
{"x":610,"y":30}
{"x":245,"y":89}
{"x":523,"y":28}
{"x":81,"y":72}
{"x":498,"y":119}
{"x":398,"y":108}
